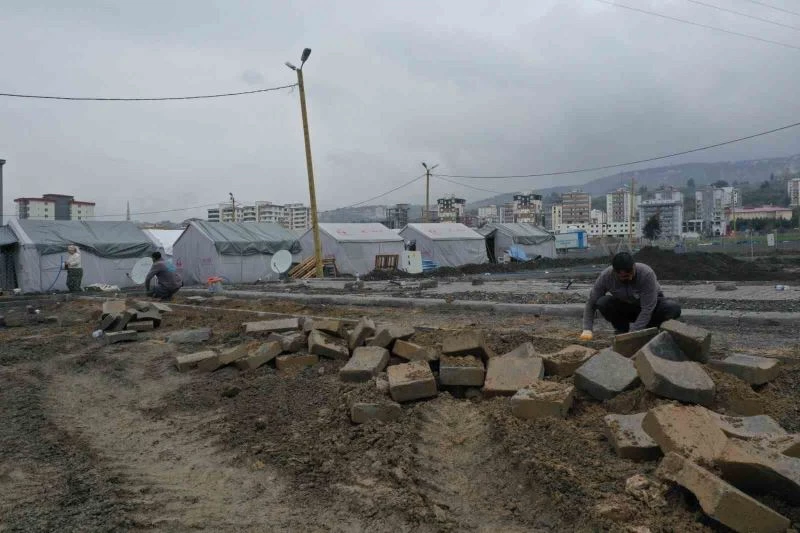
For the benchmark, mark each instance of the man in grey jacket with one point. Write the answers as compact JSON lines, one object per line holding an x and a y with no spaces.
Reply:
{"x":169,"y":281}
{"x":628,"y":295}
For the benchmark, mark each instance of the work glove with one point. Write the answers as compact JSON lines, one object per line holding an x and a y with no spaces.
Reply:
{"x":587,"y":335}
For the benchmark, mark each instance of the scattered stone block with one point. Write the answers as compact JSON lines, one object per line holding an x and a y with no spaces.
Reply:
{"x":294,"y":342}
{"x":411,"y":381}
{"x":119,"y":336}
{"x":461,"y":370}
{"x":719,"y":500}
{"x":689,"y":430}
{"x":186,"y":362}
{"x":666,"y":371}
{"x":124,"y":318}
{"x":469,"y":342}
{"x":749,"y":368}
{"x":749,"y":427}
{"x":629,"y":439}
{"x":140,"y":326}
{"x":295,"y":361}
{"x":525,"y":349}
{"x":187,"y":336}
{"x":114,"y":307}
{"x":152,"y":314}
{"x":319,"y":344}
{"x":161,"y":308}
{"x":196,"y":299}
{"x":226,"y":357}
{"x":543,"y":399}
{"x":386,"y":336}
{"x":605,"y":375}
{"x":694,"y":342}
{"x":414,"y":352}
{"x":364,"y":329}
{"x":725,"y":287}
{"x":564,"y":363}
{"x":263,"y":355}
{"x":271,"y":326}
{"x":329,"y":326}
{"x":628,"y":344}
{"x":507,"y":374}
{"x":366,"y":363}
{"x":428,"y":284}
{"x":760,"y":468}
{"x":384,"y":412}
{"x":109,"y":321}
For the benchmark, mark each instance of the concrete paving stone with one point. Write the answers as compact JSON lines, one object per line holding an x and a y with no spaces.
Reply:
{"x":365,"y":364}
{"x":295,"y":361}
{"x":665,"y":371}
{"x":260,"y":356}
{"x":271,"y":326}
{"x":411,"y":381}
{"x":385,"y":412}
{"x":109,"y":321}
{"x":629,"y":439}
{"x":119,"y":336}
{"x":330,"y":327}
{"x":759,"y":468}
{"x":720,"y":500}
{"x":364,"y":329}
{"x":162,"y":308}
{"x":543,"y":399}
{"x":564,"y":363}
{"x":749,"y":427}
{"x":226,"y":357}
{"x":628,"y":344}
{"x":140,"y":326}
{"x":306,"y":324}
{"x":196,"y":299}
{"x":152,"y":314}
{"x":694,"y":342}
{"x":725,"y":287}
{"x":469,"y":342}
{"x":294,"y":342}
{"x":112,"y":307}
{"x":689,"y":430}
{"x":319,"y":344}
{"x":385,"y":336}
{"x":187,"y":336}
{"x":526,"y":349}
{"x":414,"y":352}
{"x":751,"y":369}
{"x":461,"y":370}
{"x":507,"y":374}
{"x":605,"y":375}
{"x":124,"y":318}
{"x":141,"y":305}
{"x":186,"y":362}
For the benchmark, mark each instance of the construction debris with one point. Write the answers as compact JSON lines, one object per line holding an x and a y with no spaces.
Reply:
{"x":264,"y":354}
{"x":365,"y":364}
{"x":319,"y":344}
{"x":629,"y":439}
{"x":749,"y":368}
{"x":694,"y":342}
{"x":363,"y":330}
{"x":271,"y":326}
{"x":414,"y":352}
{"x":295,"y":361}
{"x":467,"y":343}
{"x":542,"y":399}
{"x":507,"y":374}
{"x":605,"y":375}
{"x":411,"y":381}
{"x":119,"y":336}
{"x":463,"y":371}
{"x":565,"y":362}
{"x":689,"y":430}
{"x":187,"y":362}
{"x":749,"y":427}
{"x":628,"y":344}
{"x":386,"y":336}
{"x":188,"y":336}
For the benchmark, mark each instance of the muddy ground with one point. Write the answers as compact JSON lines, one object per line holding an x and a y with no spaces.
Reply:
{"x":102,"y":438}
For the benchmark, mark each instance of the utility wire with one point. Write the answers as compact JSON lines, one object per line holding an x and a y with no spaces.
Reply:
{"x":617,"y":165}
{"x":468,"y":186}
{"x":156,"y":99}
{"x":756,"y":2}
{"x":406,"y":184}
{"x":684,"y":21}
{"x":157,"y":212}
{"x":726,"y":10}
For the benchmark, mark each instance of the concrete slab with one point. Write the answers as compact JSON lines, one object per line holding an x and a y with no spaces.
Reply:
{"x":261,"y":356}
{"x":543,"y":399}
{"x":627,"y":344}
{"x":507,"y":374}
{"x":414,"y":352}
{"x":186,"y":362}
{"x":365,"y":364}
{"x":188,"y":336}
{"x":383,"y":412}
{"x":271,"y":326}
{"x":721,"y":501}
{"x":694,"y":342}
{"x":162,"y":308}
{"x":226,"y":357}
{"x":411,"y":381}
{"x":140,"y":326}
{"x":629,"y":439}
{"x":565,"y":362}
{"x":749,"y":427}
{"x":461,"y":370}
{"x":331,"y":327}
{"x":124,"y":319}
{"x":470,"y":342}
{"x":119,"y":336}
{"x":109,"y":321}
{"x":749,"y":368}
{"x":689,"y":430}
{"x":319,"y":344}
{"x":295,"y":361}
{"x":153,"y":315}
{"x":385,"y":336}
{"x":114,"y":307}
{"x":363,"y":330}
{"x":606,"y":375}
{"x":759,"y":468}
{"x":294,"y":342}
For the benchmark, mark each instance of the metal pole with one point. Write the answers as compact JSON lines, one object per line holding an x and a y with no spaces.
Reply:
{"x":309,"y":165}
{"x":630,"y":215}
{"x":425,"y":218}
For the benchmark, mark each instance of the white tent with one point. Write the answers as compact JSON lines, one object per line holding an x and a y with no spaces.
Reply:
{"x":8,"y":248}
{"x":519,"y":238}
{"x":354,"y":246}
{"x":108,"y":252}
{"x":450,"y":245}
{"x":164,"y":239}
{"x":238,"y":252}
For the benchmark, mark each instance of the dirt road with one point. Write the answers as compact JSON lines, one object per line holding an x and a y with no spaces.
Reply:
{"x":97,"y":438}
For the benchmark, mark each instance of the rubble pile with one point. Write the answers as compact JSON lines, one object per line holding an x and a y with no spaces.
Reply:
{"x":119,"y":322}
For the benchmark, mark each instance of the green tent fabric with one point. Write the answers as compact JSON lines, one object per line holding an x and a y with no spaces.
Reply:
{"x":7,"y":236}
{"x":249,"y":238}
{"x":104,"y":239}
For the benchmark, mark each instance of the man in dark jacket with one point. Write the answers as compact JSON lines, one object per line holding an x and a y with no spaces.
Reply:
{"x":169,"y":281}
{"x":628,"y":295}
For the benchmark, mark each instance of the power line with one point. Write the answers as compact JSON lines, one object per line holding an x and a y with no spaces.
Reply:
{"x":796,"y":28}
{"x":617,"y":165}
{"x":406,"y":184}
{"x":468,"y":186}
{"x":156,"y":99}
{"x":157,"y":212}
{"x":756,"y":2}
{"x":684,"y":21}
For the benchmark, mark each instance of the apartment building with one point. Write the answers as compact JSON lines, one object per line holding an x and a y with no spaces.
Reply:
{"x":397,"y":216}
{"x":528,"y":208}
{"x":291,"y":216}
{"x":669,"y":214}
{"x":576,"y":207}
{"x":711,"y":205}
{"x":451,"y":209}
{"x":793,"y":188}
{"x":618,"y":205}
{"x":54,"y":207}
{"x":488,"y":215}
{"x":556,"y":218}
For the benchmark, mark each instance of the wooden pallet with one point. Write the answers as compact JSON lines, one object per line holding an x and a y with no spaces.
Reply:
{"x":307,"y":269}
{"x":386,"y":262}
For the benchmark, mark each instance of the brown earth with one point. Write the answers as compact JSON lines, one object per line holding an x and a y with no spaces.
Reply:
{"x":112,"y":438}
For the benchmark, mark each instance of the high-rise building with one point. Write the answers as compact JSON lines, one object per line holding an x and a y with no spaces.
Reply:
{"x":669,"y":214}
{"x":528,"y":208}
{"x":556,"y":218}
{"x":291,"y":216}
{"x":576,"y":207}
{"x":451,"y":209}
{"x":618,"y":205}
{"x":598,"y":216}
{"x":793,"y":187}
{"x":54,"y":207}
{"x":711,"y":204}
{"x":507,"y":213}
{"x":397,"y":216}
{"x":488,"y":215}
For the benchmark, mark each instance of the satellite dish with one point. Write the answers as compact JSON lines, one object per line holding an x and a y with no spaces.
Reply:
{"x":140,"y":270}
{"x":281,"y":262}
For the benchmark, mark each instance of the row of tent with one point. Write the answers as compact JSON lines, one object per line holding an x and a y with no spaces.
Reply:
{"x":32,"y":252}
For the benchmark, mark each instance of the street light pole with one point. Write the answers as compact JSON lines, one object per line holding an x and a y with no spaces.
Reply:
{"x":426,"y":214}
{"x":309,"y":165}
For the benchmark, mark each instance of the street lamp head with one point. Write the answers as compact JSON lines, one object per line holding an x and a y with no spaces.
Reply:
{"x":424,"y":165}
{"x":305,"y":54}
{"x":290,"y":66}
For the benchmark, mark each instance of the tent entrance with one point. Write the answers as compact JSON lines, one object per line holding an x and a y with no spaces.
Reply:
{"x":8,"y":274}
{"x":490,"y":248}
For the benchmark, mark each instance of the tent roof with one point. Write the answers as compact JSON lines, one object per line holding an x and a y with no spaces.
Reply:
{"x":519,"y":229}
{"x":248,"y":238}
{"x":369,"y":232}
{"x":7,"y":236}
{"x":104,"y":239}
{"x":445,"y":232}
{"x":165,"y":238}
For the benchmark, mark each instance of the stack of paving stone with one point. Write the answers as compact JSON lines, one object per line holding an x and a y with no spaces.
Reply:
{"x":121,"y":323}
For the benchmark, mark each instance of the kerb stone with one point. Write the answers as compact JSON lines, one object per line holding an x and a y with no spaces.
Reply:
{"x":114,"y":307}
{"x":366,"y":363}
{"x":411,"y":381}
{"x":565,"y":362}
{"x":295,"y":361}
{"x":628,"y":344}
{"x":414,"y":352}
{"x":188,"y":336}
{"x":694,"y":342}
{"x":271,"y":326}
{"x":186,"y":362}
{"x":386,"y":336}
{"x":606,"y":375}
{"x":319,"y":344}
{"x":751,"y":369}
{"x":384,"y":412}
{"x":226,"y":357}
{"x":467,"y":343}
{"x":332,"y":327}
{"x":507,"y":374}
{"x":760,"y":468}
{"x":543,"y":399}
{"x":119,"y":336}
{"x":749,"y":427}
{"x":152,"y":314}
{"x":629,"y":439}
{"x":109,"y":321}
{"x":264,"y":354}
{"x":461,"y":370}
{"x":363,"y":330}
{"x":689,"y":430}
{"x":721,"y":501}
{"x":140,"y":326}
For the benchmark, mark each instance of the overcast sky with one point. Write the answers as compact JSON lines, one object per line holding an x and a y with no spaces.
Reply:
{"x":477,"y":87}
